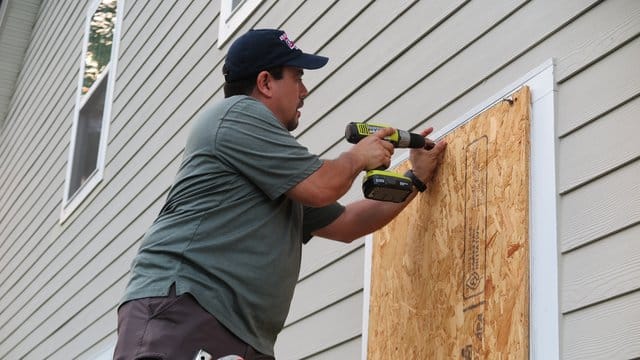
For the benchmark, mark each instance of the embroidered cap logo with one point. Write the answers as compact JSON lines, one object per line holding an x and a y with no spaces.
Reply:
{"x":289,"y":43}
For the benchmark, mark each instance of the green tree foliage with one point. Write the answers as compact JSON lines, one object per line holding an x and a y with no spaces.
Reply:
{"x":100,"y":41}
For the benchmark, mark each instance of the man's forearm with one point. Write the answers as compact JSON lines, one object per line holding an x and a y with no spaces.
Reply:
{"x":363,"y":217}
{"x":330,"y":182}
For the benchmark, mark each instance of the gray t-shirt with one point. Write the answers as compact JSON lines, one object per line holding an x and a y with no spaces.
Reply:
{"x":227,"y":233}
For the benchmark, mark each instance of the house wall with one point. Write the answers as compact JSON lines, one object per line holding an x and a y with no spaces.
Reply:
{"x":408,"y":63}
{"x":16,"y":22}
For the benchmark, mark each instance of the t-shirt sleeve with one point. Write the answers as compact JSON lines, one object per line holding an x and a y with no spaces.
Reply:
{"x":252,"y":140}
{"x":317,"y":218}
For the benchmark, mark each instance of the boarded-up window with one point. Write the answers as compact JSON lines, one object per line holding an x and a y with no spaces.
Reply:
{"x":450,"y":275}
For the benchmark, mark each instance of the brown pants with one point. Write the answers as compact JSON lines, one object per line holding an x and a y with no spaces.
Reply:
{"x":174,"y":327}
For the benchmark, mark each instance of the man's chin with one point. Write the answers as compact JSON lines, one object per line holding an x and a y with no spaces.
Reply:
{"x":294,"y":123}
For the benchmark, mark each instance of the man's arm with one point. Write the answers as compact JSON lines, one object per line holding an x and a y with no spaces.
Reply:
{"x":334,"y":178}
{"x":366,"y":216}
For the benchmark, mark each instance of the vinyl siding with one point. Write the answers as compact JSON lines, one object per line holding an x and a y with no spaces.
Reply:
{"x":408,"y":63}
{"x":16,"y":24}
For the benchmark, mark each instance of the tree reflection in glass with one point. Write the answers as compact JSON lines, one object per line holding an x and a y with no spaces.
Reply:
{"x":100,"y":41}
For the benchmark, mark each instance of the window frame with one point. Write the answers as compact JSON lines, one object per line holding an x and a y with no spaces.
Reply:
{"x":231,"y":19}
{"x":106,"y":353}
{"x":71,"y":201}
{"x":544,"y":298}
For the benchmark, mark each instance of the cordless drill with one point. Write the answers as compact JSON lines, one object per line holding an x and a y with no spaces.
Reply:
{"x":380,"y":184}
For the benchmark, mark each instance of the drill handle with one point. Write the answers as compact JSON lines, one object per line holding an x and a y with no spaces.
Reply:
{"x":354,"y":132}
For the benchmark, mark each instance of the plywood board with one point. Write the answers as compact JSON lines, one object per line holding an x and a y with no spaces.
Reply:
{"x":450,"y":275}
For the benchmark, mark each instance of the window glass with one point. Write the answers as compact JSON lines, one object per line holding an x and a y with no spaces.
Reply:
{"x":93,"y":103}
{"x":88,"y":131}
{"x":100,"y":41}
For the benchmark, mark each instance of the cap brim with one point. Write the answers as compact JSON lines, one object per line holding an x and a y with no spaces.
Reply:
{"x":308,"y":61}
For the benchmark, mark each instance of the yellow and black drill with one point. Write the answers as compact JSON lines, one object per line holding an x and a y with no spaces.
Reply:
{"x":380,"y":184}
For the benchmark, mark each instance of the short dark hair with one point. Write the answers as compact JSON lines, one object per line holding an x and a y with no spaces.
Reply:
{"x":246,"y":86}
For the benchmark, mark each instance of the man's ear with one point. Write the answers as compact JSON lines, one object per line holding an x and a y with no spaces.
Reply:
{"x":263,"y":84}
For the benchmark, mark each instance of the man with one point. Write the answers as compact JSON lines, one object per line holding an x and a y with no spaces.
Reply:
{"x":216,"y":271}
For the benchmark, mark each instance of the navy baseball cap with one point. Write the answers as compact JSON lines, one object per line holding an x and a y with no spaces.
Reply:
{"x":262,"y":49}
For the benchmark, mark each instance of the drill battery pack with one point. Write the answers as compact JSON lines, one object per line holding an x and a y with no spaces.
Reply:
{"x":386,"y":186}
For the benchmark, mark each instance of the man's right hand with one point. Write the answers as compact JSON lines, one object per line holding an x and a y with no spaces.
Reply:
{"x":334,"y":178}
{"x":374,"y":151}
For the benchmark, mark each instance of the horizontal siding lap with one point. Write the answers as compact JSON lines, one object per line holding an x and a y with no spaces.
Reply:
{"x":561,"y":42}
{"x":35,"y":31}
{"x":170,"y":70}
{"x":271,"y":14}
{"x":449,"y":37}
{"x":450,"y":78}
{"x":76,"y":265}
{"x":83,"y":316}
{"x":587,"y":97}
{"x":67,"y":249}
{"x":605,"y":331}
{"x":157,"y":81}
{"x":326,"y":28}
{"x":327,"y":286}
{"x":81,"y":323}
{"x":59,"y":20}
{"x":305,"y":17}
{"x":610,"y":24}
{"x":143,"y":55}
{"x":328,"y":86}
{"x":322,"y":330}
{"x":140,"y":166}
{"x":84,"y":346}
{"x":599,"y":147}
{"x":143,"y":25}
{"x":137,"y":13}
{"x":35,"y":180}
{"x":600,"y":208}
{"x":35,"y":121}
{"x":35,"y":150}
{"x":104,"y":345}
{"x":320,"y":252}
{"x":114,"y":201}
{"x":601,"y":271}
{"x":33,"y":251}
{"x":32,"y":182}
{"x":350,"y":349}
{"x":36,"y":177}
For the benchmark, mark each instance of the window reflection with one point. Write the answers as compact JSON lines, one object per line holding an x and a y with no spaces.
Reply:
{"x":100,"y":42}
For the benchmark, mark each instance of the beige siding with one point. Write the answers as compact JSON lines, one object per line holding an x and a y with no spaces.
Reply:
{"x":607,"y":330}
{"x":408,"y":63}
{"x":16,"y":25}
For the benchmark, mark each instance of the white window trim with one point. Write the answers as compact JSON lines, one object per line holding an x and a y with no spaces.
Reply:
{"x":544,"y":308}
{"x":230,"y":21}
{"x":70,"y":202}
{"x":106,"y":354}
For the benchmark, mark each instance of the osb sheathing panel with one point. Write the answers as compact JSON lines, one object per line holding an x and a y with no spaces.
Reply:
{"x":450,"y":274}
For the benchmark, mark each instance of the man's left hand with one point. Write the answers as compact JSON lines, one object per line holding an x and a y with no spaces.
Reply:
{"x":425,"y":162}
